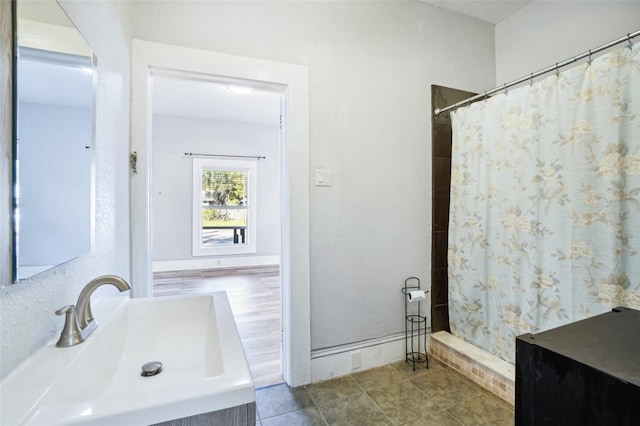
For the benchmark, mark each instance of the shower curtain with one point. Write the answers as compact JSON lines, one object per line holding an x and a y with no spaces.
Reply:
{"x":544,"y":224}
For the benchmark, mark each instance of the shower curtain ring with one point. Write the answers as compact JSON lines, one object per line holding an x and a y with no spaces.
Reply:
{"x":590,"y":58}
{"x":506,"y":92}
{"x":630,"y":46}
{"x":557,"y":70}
{"x":485,"y":96}
{"x":531,"y":80}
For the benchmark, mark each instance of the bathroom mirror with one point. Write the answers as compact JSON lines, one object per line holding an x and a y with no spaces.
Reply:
{"x":53,"y":104}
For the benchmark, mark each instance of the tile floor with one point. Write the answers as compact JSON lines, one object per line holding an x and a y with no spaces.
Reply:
{"x":390,"y":395}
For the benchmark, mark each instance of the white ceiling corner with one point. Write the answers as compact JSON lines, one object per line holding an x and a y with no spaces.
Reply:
{"x":490,"y":11}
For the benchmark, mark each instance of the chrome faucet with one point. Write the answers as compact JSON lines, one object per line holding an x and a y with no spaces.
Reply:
{"x":79,"y":321}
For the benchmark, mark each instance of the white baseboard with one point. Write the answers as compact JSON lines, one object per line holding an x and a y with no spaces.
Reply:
{"x":213,"y":263}
{"x":350,"y":358}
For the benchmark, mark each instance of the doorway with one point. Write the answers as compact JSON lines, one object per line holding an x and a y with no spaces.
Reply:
{"x":292,"y":82}
{"x":215,"y":212}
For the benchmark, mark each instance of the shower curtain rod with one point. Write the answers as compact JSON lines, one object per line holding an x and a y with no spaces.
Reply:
{"x":191,"y":154}
{"x":530,"y":77}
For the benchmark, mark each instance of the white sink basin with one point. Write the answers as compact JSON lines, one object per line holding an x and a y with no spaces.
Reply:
{"x":99,"y":381}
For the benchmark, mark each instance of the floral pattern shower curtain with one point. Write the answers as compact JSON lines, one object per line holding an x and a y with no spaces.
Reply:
{"x":544,"y":222}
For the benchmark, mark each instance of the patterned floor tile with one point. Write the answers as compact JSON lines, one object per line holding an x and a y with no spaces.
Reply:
{"x":307,"y":417}
{"x":446,"y":387}
{"x":406,"y":371}
{"x":402,"y":402}
{"x":333,"y":389}
{"x":353,"y":410}
{"x":281,"y":399}
{"x":377,"y":378}
{"x":482,"y":410}
{"x":441,"y":419}
{"x":394,"y":394}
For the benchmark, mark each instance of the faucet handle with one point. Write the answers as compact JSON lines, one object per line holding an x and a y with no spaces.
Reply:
{"x":65,"y":309}
{"x":71,"y":334}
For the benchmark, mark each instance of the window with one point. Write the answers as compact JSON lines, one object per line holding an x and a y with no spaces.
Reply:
{"x":224,"y":206}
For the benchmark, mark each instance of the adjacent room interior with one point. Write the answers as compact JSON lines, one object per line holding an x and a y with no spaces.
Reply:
{"x":216,"y":177}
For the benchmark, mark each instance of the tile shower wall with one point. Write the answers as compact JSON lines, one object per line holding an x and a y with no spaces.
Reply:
{"x":441,"y":178}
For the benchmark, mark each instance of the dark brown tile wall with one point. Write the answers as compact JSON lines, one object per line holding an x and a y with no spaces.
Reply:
{"x":441,"y":177}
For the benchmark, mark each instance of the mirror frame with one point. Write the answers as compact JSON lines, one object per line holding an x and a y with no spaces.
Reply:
{"x":14,"y":139}
{"x":16,"y":279}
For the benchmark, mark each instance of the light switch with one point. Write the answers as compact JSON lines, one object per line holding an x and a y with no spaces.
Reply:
{"x":323,"y":177}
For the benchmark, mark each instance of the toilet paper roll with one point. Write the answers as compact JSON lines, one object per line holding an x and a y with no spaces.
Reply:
{"x":416,"y":296}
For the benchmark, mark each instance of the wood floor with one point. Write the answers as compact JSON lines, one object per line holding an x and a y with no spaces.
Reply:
{"x":255,"y":299}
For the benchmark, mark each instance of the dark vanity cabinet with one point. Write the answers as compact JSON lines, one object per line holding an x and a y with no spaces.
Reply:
{"x":584,"y":373}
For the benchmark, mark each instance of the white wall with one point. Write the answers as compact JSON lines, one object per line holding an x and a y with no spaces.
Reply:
{"x":27,"y":309}
{"x":172,"y":178}
{"x":544,"y":33}
{"x":370,"y":65}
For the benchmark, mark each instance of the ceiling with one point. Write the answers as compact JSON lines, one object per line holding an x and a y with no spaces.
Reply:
{"x":206,"y":100}
{"x":488,"y":11}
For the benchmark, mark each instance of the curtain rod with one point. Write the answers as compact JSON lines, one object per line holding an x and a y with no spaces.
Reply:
{"x":191,"y":154}
{"x":530,"y":77}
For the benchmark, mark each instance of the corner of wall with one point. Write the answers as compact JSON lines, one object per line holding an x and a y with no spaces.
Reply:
{"x":529,"y":40}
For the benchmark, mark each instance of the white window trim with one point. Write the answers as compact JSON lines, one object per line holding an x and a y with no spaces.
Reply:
{"x":248,"y":166}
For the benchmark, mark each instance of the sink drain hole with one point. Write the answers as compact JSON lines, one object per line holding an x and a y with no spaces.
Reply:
{"x":151,"y":369}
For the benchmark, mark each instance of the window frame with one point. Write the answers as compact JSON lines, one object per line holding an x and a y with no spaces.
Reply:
{"x":226,"y":165}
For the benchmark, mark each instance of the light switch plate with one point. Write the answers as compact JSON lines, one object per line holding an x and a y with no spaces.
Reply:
{"x":323,"y":177}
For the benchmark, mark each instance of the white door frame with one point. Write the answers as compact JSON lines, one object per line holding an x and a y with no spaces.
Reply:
{"x":292,"y":82}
